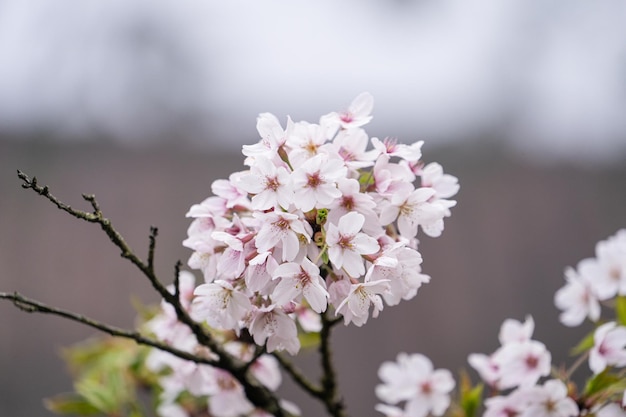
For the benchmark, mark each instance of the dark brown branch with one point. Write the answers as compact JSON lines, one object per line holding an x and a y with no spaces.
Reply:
{"x":32,"y":306}
{"x":298,"y":377}
{"x":330,"y":395}
{"x":153,"y":235}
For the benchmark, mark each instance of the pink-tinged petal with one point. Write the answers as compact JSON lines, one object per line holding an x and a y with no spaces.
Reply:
{"x":289,"y":269}
{"x":335,"y":254}
{"x":353,"y":264}
{"x":389,"y":214}
{"x":351,"y":223}
{"x":291,"y":246}
{"x":407,"y":226}
{"x":316,"y":296}
{"x":365,"y":244}
{"x":286,"y":291}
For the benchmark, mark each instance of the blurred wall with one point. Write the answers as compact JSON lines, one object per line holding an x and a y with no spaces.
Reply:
{"x":516,"y":226}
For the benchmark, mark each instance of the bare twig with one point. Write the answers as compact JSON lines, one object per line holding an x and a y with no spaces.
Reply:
{"x":258,"y":394}
{"x":32,"y":306}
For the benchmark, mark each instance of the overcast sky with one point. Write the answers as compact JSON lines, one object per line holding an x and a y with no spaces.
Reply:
{"x":548,"y":76}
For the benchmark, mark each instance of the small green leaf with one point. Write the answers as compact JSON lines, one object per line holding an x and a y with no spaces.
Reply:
{"x":98,"y":395}
{"x":620,"y":309}
{"x":70,"y":404}
{"x":584,"y":345}
{"x":470,"y":397}
{"x":601,"y":382}
{"x":309,"y":340}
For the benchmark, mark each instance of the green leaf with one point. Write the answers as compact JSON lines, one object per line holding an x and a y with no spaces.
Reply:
{"x":584,"y":345}
{"x":70,"y":404}
{"x":620,"y":309}
{"x":602,"y":382}
{"x":470,"y":397}
{"x":98,"y":395}
{"x":309,"y":340}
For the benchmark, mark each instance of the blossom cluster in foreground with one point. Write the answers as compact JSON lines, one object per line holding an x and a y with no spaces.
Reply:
{"x":323,"y":217}
{"x":320,"y":218}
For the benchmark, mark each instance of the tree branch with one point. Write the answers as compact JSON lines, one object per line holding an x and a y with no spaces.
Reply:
{"x":258,"y":394}
{"x":298,"y":377}
{"x":32,"y":306}
{"x":334,"y":404}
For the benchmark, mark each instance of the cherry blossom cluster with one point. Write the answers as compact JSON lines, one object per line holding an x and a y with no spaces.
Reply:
{"x":222,"y":393}
{"x":323,"y":216}
{"x":514,"y":372}
{"x":412,"y":380}
{"x":517,"y":365}
{"x":594,"y":280}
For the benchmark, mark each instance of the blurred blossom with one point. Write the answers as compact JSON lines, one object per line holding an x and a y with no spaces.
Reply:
{"x":547,"y":77}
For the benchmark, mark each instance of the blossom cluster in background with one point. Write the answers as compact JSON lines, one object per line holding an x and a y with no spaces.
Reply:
{"x":520,"y":375}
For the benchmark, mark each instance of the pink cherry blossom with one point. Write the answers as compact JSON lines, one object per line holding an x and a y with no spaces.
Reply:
{"x":522,"y":363}
{"x":220,"y":305}
{"x":358,"y":112}
{"x":412,"y":210}
{"x":298,"y":280}
{"x":355,"y":307}
{"x":401,"y":266}
{"x":269,"y":184}
{"x":445,"y":185}
{"x":315,"y":182}
{"x":346,"y":244}
{"x":274,"y":326}
{"x":609,"y":347}
{"x":610,"y":273}
{"x":391,"y":147}
{"x":284,"y":229}
{"x":577,"y":298}
{"x":273,"y":137}
{"x":412,"y":379}
{"x":549,"y":400}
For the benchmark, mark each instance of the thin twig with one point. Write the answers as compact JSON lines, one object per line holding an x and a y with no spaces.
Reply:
{"x":151,"y":248}
{"x":32,"y":306}
{"x":298,"y":377}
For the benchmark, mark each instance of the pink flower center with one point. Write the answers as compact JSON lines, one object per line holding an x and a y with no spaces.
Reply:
{"x":345,"y":242}
{"x":282,"y":223}
{"x":271,"y":183}
{"x":532,"y":362}
{"x":426,"y":388}
{"x":347,"y":202}
{"x":346,"y":117}
{"x":314,"y":180}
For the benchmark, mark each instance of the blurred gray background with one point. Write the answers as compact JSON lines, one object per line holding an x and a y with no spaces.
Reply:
{"x":145,"y":103}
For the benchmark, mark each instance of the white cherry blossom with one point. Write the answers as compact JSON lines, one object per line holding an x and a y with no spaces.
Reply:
{"x":220,"y":304}
{"x":274,"y":326}
{"x":269,"y":184}
{"x":358,"y":112}
{"x":412,"y":379}
{"x":300,"y":280}
{"x":315,"y":182}
{"x":281,"y":228}
{"x":609,"y":347}
{"x":577,"y":298}
{"x":346,"y":244}
{"x":549,"y":400}
{"x":355,"y":307}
